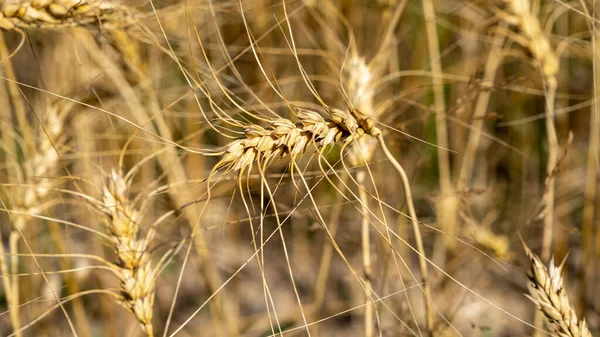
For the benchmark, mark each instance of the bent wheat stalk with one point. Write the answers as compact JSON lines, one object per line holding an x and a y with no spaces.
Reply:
{"x":533,"y":38}
{"x":547,"y":290}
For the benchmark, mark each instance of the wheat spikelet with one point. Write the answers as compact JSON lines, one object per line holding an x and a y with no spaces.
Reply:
{"x":535,"y":40}
{"x":60,"y":13}
{"x":484,"y":238}
{"x":359,"y":86}
{"x":360,"y":89}
{"x":288,"y":138}
{"x":133,"y":268}
{"x":547,"y":291}
{"x":40,"y":163}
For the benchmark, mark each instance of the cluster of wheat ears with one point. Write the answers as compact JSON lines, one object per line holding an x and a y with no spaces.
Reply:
{"x":212,"y":166}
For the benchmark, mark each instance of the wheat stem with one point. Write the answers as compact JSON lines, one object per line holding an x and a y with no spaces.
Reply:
{"x":7,"y":284}
{"x":81,"y":321}
{"x":591,"y":180}
{"x":366,"y":253}
{"x":416,"y":231}
{"x":13,"y":246}
{"x":539,"y":46}
{"x":553,"y":149}
{"x":16,"y":96}
{"x":470,"y":153}
{"x":326,"y":255}
{"x":447,"y":204}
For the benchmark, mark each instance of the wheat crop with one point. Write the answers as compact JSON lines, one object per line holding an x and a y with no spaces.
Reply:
{"x":243,"y":168}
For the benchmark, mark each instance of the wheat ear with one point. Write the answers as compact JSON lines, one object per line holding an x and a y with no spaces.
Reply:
{"x":134,"y":267}
{"x":285,"y":137}
{"x":548,"y":292}
{"x":534,"y":38}
{"x":60,"y":13}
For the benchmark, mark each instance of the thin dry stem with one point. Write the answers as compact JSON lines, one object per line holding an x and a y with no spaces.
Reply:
{"x":360,"y":90}
{"x":544,"y":56}
{"x":416,"y":230}
{"x":366,"y":254}
{"x":494,"y":60}
{"x":447,"y":204}
{"x":591,"y":180}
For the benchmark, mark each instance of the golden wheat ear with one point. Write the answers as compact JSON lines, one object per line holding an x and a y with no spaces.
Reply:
{"x":285,"y":137}
{"x":547,"y":290}
{"x":134,"y":266}
{"x":60,"y":13}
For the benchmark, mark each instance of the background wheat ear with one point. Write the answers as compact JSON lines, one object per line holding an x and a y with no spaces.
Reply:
{"x":61,"y":13}
{"x":134,"y":267}
{"x":547,"y":290}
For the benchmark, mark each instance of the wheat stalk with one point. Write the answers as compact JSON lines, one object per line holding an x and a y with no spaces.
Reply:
{"x":60,"y":13}
{"x":548,"y":292}
{"x":361,"y":91}
{"x":133,"y":268}
{"x":535,"y":40}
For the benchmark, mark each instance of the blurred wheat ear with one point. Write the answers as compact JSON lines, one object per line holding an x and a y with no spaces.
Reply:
{"x":134,"y":268}
{"x":547,"y":290}
{"x":61,"y":13}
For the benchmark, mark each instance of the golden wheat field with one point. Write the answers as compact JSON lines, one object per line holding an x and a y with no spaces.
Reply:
{"x":299,"y":168}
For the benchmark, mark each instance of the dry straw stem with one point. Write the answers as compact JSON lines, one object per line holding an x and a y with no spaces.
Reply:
{"x":548,"y":292}
{"x":134,"y":267}
{"x":448,"y":201}
{"x":360,"y":91}
{"x":60,"y":13}
{"x":470,"y":153}
{"x":591,"y":179}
